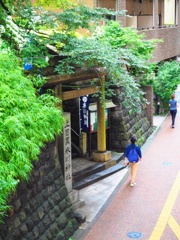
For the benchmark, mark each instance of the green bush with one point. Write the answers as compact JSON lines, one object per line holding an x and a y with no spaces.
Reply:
{"x":27,"y":121}
{"x":167,"y":81}
{"x":164,"y":77}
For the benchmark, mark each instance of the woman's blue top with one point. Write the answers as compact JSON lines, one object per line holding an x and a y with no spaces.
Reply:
{"x":133,"y":145}
{"x":173,"y":104}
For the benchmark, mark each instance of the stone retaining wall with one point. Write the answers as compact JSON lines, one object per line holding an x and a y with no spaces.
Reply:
{"x":41,"y":208}
{"x":125,"y":125}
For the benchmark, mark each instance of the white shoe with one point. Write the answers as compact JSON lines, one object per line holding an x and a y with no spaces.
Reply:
{"x":133,"y":184}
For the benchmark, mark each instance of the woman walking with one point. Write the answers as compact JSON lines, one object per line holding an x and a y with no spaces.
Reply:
{"x":134,"y":155}
{"x":173,"y":108}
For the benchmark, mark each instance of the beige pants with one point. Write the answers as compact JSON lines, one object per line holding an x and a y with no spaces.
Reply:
{"x":133,"y":171}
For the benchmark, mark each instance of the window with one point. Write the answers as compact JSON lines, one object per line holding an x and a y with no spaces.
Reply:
{"x":169,"y":12}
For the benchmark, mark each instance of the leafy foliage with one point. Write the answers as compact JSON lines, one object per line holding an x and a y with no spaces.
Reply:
{"x":27,"y":122}
{"x":61,"y":4}
{"x":121,"y":58}
{"x":83,"y":16}
{"x":120,"y":37}
{"x":164,"y":77}
{"x":167,"y":81}
{"x":37,"y":51}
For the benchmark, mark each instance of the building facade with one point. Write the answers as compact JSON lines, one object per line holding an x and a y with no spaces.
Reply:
{"x":157,"y":19}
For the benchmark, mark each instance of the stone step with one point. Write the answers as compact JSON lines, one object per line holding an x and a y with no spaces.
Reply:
{"x":98,"y":176}
{"x":96,"y":167}
{"x":79,"y":175}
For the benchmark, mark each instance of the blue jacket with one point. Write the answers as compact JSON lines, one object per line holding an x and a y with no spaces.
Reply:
{"x":133,"y":145}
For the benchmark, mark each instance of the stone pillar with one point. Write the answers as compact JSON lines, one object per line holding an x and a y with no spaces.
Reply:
{"x":95,"y":4}
{"x":83,"y":144}
{"x":155,"y":14}
{"x":121,"y":5}
{"x":67,"y":152}
{"x":63,"y":143}
{"x":149,"y":96}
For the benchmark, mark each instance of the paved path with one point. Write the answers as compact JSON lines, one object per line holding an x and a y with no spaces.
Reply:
{"x":151,"y":210}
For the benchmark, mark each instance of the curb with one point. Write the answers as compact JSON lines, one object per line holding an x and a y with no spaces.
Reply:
{"x":152,"y":136}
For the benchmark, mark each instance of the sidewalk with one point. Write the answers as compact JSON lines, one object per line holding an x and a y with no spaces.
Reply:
{"x":150,"y":210}
{"x":98,"y":195}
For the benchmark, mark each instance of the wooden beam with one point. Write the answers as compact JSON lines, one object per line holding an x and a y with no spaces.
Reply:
{"x":80,"y":92}
{"x":70,"y":78}
{"x":58,"y":94}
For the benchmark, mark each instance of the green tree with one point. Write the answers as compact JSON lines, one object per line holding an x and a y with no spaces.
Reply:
{"x":120,"y":37}
{"x":166,"y":81}
{"x":123,"y":57}
{"x":27,"y":121}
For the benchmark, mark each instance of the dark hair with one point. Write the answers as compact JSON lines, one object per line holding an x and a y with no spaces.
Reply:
{"x":133,"y":139}
{"x":173,"y":96}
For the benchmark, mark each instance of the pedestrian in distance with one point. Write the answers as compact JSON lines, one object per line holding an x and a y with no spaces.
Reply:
{"x":133,"y":155}
{"x":173,"y":108}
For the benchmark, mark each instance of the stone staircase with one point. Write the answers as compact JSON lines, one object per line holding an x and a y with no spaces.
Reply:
{"x":92,"y":172}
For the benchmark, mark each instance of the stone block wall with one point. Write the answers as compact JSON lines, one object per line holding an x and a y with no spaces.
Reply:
{"x":41,"y":208}
{"x":125,"y":125}
{"x":150,"y":107}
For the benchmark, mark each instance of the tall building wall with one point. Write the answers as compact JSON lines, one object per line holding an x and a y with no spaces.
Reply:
{"x":170,"y":47}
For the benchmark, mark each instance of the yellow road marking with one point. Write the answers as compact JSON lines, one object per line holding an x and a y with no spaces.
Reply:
{"x":166,"y":211}
{"x":174,"y":226}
